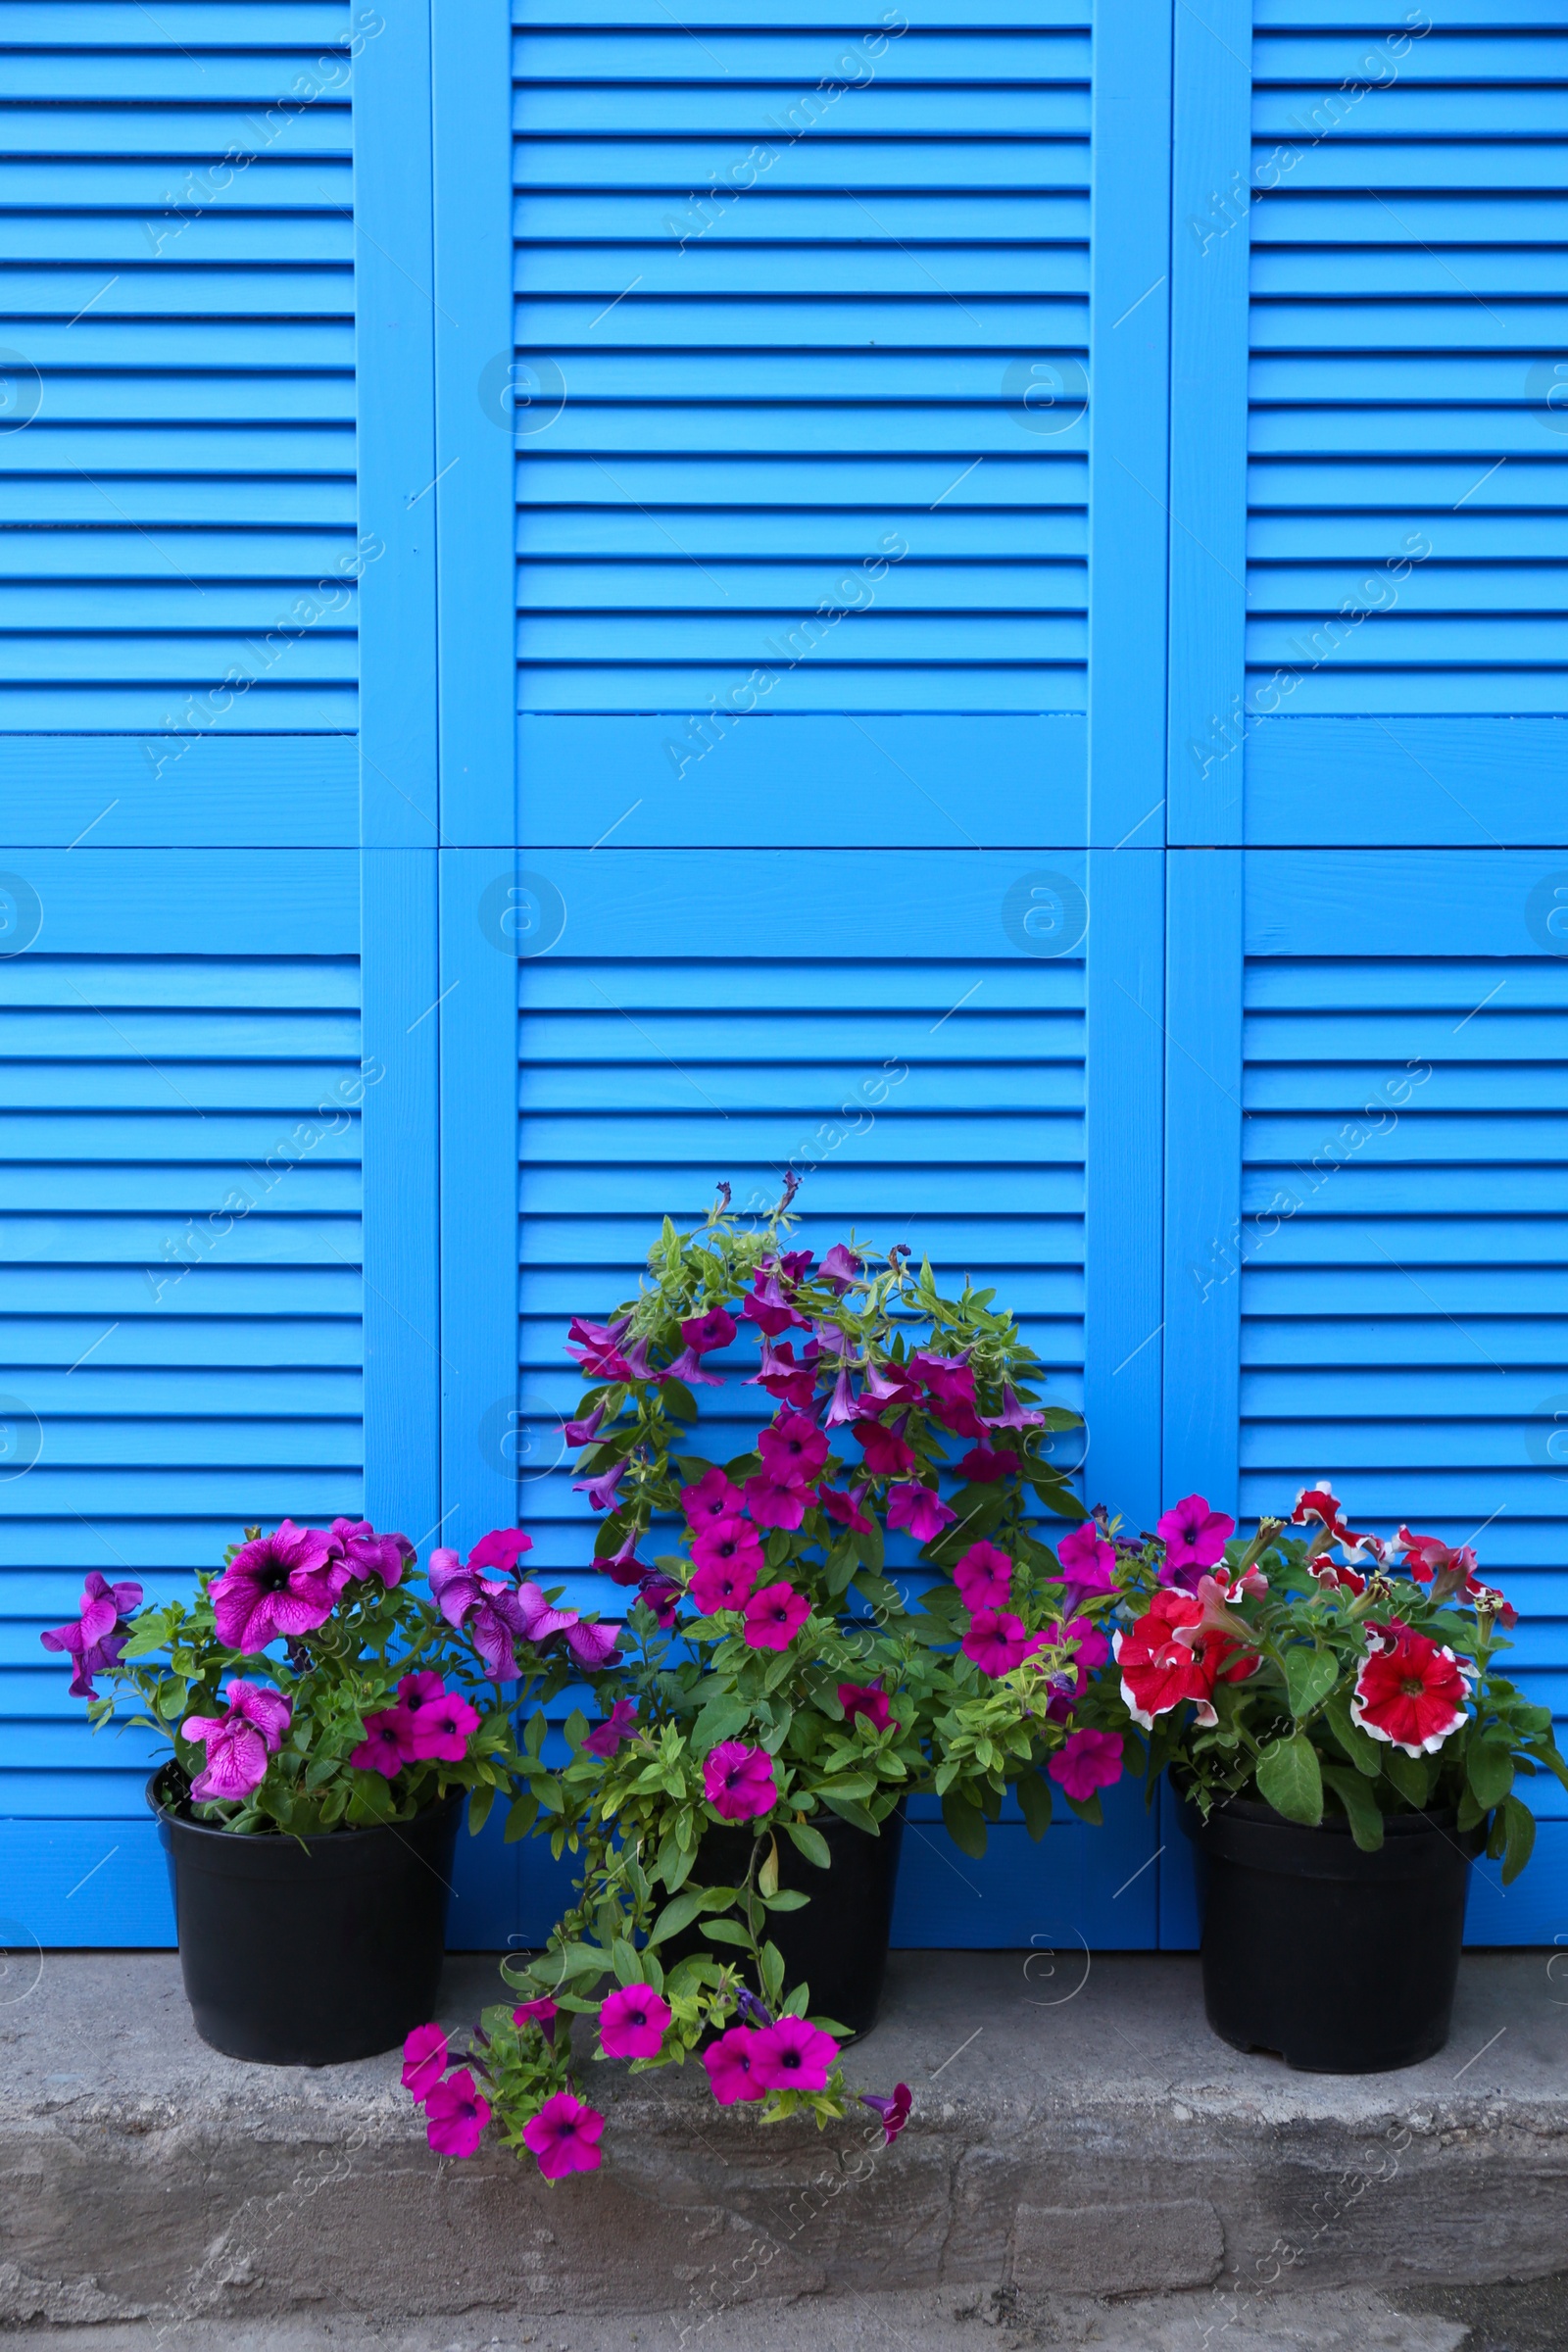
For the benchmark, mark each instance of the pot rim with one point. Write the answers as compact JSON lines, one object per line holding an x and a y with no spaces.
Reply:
{"x":175,"y":1817}
{"x":1258,"y":1811}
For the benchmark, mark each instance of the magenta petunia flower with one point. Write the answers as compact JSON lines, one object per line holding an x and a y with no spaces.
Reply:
{"x":794,"y":2055}
{"x":1087,"y":1761}
{"x":846,"y":1508}
{"x":731,"y":2063}
{"x":886,"y":1453}
{"x":727,"y":1544}
{"x":984,"y":1577}
{"x":456,"y":2115}
{"x":620,"y":1725}
{"x":565,"y":2136}
{"x":94,"y":1642}
{"x":1194,"y":1535}
{"x":584,"y":1431}
{"x":281,"y":1585}
{"x":1014,"y":1415}
{"x":387,"y":1746}
{"x":843,"y":1404}
{"x":773,"y":1505}
{"x":738,"y":1780}
{"x":425,"y":2060}
{"x":663,"y":1595}
{"x":774,"y":1616}
{"x":632,"y":2021}
{"x":688,"y":1366}
{"x":866,"y":1698}
{"x":894,"y":2113}
{"x":712,"y":1498}
{"x":786,"y":1381}
{"x":724,"y":1585}
{"x":996,"y":1641}
{"x":541,"y":2013}
{"x":495,"y":1614}
{"x":592,"y":1645}
{"x":715,"y":1329}
{"x":793,"y":1450}
{"x":1088,"y":1561}
{"x":369,"y":1554}
{"x":238,"y":1743}
{"x":500,"y":1550}
{"x":985,"y":1465}
{"x":442,"y":1728}
{"x":920,"y":1509}
{"x":600,"y":1488}
{"x":841,"y":1267}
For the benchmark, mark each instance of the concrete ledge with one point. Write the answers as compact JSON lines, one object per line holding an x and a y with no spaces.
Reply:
{"x":1077,"y":2129}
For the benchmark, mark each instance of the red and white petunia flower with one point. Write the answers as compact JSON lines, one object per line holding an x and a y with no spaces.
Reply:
{"x":1410,"y":1692}
{"x":1177,"y":1651}
{"x":1332,"y":1577}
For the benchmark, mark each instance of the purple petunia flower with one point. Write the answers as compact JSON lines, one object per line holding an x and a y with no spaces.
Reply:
{"x":285,"y":1583}
{"x":592,"y":1645}
{"x":601,"y":1488}
{"x":731,"y":2063}
{"x":620,"y":1725}
{"x":794,"y":2055}
{"x":919,"y":1508}
{"x":238,"y":1743}
{"x":94,"y":1642}
{"x":894,"y":2113}
{"x":632,"y":2021}
{"x":369,"y":1554}
{"x":738,"y":1780}
{"x":584,"y":1432}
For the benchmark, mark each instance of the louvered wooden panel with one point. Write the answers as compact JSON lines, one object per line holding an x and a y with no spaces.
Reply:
{"x":732,"y":405}
{"x":1408,"y":485}
{"x":173,"y":1364}
{"x":180,"y":332}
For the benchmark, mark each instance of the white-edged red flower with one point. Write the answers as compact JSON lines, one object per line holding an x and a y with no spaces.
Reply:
{"x":1177,"y":1651}
{"x":1410,"y":1691}
{"x":1333,"y":1578}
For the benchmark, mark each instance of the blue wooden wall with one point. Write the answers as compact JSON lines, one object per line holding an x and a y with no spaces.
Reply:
{"x":584,"y":592}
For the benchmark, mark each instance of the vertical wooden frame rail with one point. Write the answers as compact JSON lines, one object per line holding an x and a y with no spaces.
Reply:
{"x":396,"y":439}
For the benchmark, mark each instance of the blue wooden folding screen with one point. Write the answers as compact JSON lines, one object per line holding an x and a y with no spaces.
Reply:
{"x":597,"y":605}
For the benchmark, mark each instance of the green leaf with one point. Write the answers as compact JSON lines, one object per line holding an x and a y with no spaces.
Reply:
{"x":1411,"y":1775}
{"x":722,"y":1718}
{"x":1521,"y":1836}
{"x":1469,"y":1811}
{"x":1310,"y":1676}
{"x":1490,"y":1770}
{"x":810,"y":1842}
{"x":767,"y":1874}
{"x":848,"y":1784}
{"x":790,"y":1900}
{"x":851,"y":1809}
{"x":727,"y":1930}
{"x":677,"y":1915}
{"x":1034,"y":1802}
{"x":965,"y":1823}
{"x":1364,"y":1753}
{"x":481,"y":1801}
{"x":1087,"y":1808}
{"x":624,"y":1960}
{"x":1288,"y":1780}
{"x":1366,"y":1822}
{"x":677,"y":1399}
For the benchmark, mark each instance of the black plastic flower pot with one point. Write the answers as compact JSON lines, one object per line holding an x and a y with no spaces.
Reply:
{"x":309,"y":1952}
{"x":1338,"y":1961}
{"x":836,"y":1944}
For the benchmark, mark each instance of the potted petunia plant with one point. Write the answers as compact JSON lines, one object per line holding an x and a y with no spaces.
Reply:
{"x":325,"y":1722}
{"x":1330,"y":1710}
{"x":884,"y":1591}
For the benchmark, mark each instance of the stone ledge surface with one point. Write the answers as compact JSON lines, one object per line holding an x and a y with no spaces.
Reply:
{"x":1077,"y":2131}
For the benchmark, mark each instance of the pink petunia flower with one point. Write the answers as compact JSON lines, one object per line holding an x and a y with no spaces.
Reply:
{"x":786,"y":1381}
{"x":984,"y":1577}
{"x":996,"y":1641}
{"x":892,"y":2113}
{"x":726,"y":1585}
{"x":500,"y":1550}
{"x":387,"y":1745}
{"x":1088,"y":1760}
{"x":442,"y":1727}
{"x":886,"y":1453}
{"x":1194,"y":1535}
{"x":774,"y":1505}
{"x":541,"y":2013}
{"x":592,"y":1645}
{"x":663,"y":1595}
{"x":1087,"y":1560}
{"x":920,"y":1509}
{"x":369,"y":1554}
{"x":711,"y":1498}
{"x":619,"y":1725}
{"x":425,"y":2060}
{"x":632,"y":2021}
{"x":728,"y":1543}
{"x":281,"y":1585}
{"x":456,"y":2115}
{"x":715,"y":1329}
{"x":94,"y":1642}
{"x":774,"y":1616}
{"x":985,"y":1465}
{"x":738,"y":1780}
{"x":793,"y":1450}
{"x":846,"y":1508}
{"x":841,"y":1267}
{"x":868,"y":1699}
{"x":238,"y":1743}
{"x":1014,"y":1415}
{"x":793,"y":2055}
{"x":731,"y":2063}
{"x":565,"y":2136}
